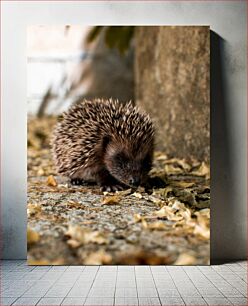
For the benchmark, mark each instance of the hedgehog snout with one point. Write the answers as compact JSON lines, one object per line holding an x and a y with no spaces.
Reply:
{"x":134,"y":181}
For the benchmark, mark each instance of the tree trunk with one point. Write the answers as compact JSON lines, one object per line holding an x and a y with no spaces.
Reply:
{"x":172,"y":84}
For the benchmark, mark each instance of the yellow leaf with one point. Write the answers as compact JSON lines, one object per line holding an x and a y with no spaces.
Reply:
{"x":41,"y":262}
{"x":185,"y":259}
{"x":160,"y":156}
{"x":169,"y":213}
{"x":73,"y":243}
{"x":33,"y":209}
{"x":137,"y":195}
{"x":156,"y":201}
{"x":177,"y":205}
{"x":202,"y":226}
{"x":45,"y":262}
{"x":170,"y":170}
{"x":32,"y":236}
{"x":40,"y":172}
{"x":181,"y":162}
{"x":183,"y":184}
{"x":51,"y":181}
{"x":98,"y":258}
{"x":144,"y":223}
{"x":137,"y":218}
{"x":111,"y":200}
{"x":124,"y":192}
{"x":81,"y":236}
{"x":157,"y":225}
{"x":162,"y":191}
{"x":203,"y":170}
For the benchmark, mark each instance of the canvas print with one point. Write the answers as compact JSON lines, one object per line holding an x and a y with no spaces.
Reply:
{"x":118,"y":145}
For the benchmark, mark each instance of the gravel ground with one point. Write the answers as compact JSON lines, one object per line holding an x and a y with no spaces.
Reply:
{"x":81,"y":225}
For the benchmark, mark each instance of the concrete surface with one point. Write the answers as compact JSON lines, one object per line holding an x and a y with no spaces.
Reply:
{"x":123,"y":285}
{"x":229,"y":97}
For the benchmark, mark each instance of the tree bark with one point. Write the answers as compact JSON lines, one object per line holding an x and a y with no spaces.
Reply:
{"x":172,"y":67}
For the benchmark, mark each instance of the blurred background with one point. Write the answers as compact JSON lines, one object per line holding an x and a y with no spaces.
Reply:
{"x":165,"y":70}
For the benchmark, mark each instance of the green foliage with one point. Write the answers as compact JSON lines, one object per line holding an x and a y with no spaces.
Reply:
{"x":118,"y":37}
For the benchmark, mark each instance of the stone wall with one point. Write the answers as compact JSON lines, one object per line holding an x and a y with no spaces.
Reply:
{"x":172,"y":66}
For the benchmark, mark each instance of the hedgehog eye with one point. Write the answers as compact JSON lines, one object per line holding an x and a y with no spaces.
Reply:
{"x":121,"y":159}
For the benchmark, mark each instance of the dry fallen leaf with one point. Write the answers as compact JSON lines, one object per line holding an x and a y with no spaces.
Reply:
{"x":170,"y":170}
{"x":32,"y":236}
{"x":111,"y":200}
{"x":40,"y":172}
{"x":41,"y":262}
{"x":202,"y":231}
{"x":74,"y":243}
{"x":163,"y":192}
{"x":98,"y":258}
{"x":143,"y":257}
{"x":33,"y":209}
{"x":185,"y":259}
{"x":158,"y":225}
{"x":124,"y":192}
{"x":177,"y":205}
{"x":203,"y":170}
{"x":76,"y":205}
{"x":80,"y":236}
{"x":137,"y":195}
{"x":156,"y":201}
{"x":51,"y":181}
{"x":179,"y":162}
{"x":45,"y":262}
{"x":160,"y":155}
{"x":186,"y":196}
{"x":144,"y":223}
{"x":183,"y":184}
{"x":137,"y":218}
{"x":186,"y":166}
{"x":202,"y":226}
{"x":169,"y":213}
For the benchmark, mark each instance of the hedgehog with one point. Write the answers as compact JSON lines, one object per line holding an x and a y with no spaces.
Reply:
{"x":104,"y":142}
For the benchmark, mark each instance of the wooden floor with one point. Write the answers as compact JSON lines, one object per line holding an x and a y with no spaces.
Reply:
{"x":123,"y":285}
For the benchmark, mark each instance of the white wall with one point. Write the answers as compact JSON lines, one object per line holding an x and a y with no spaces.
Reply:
{"x":228,"y":98}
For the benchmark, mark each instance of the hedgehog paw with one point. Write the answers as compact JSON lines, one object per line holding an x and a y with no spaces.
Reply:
{"x":111,"y":188}
{"x":77,"y":181}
